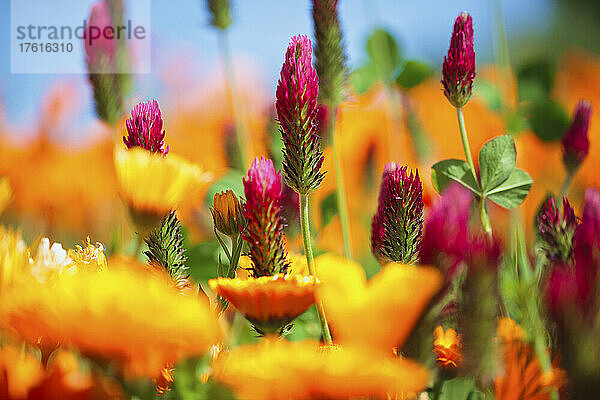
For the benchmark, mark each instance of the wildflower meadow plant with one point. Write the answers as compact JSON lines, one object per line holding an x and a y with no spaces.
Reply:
{"x":238,"y":278}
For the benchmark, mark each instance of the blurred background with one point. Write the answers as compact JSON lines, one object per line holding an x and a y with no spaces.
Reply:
{"x":535,"y":60}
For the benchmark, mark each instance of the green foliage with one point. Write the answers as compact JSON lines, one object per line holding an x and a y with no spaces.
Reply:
{"x":548,"y":120}
{"x":490,"y":94}
{"x":536,"y":80}
{"x":385,"y":64}
{"x":385,"y":54}
{"x":446,"y":171}
{"x":496,"y":161}
{"x":328,"y":208}
{"x":513,"y":190}
{"x":202,"y":259}
{"x":499,"y":180}
{"x":232,"y":180}
{"x":414,"y":72}
{"x":165,"y":247}
{"x":458,"y":389}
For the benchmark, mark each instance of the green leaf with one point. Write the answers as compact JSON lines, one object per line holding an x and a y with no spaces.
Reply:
{"x":413,"y":73}
{"x":231,"y":180}
{"x":457,"y":389}
{"x":384,"y":53}
{"x":496,"y":161}
{"x":328,"y":208}
{"x":535,"y":80}
{"x":446,"y":171}
{"x":362,"y":78}
{"x":490,"y":94}
{"x":512,"y":191}
{"x":548,"y":120}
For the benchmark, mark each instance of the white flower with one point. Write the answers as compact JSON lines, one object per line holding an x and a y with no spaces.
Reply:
{"x":49,"y":260}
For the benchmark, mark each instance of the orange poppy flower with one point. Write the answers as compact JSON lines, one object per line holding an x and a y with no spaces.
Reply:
{"x":304,"y":370}
{"x":380,"y":313}
{"x":127,"y":315}
{"x":269,"y":302}
{"x":447,"y":347}
{"x":522,"y":378}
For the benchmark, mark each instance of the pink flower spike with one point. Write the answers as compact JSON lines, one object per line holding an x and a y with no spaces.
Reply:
{"x":98,"y":47}
{"x":264,"y":212}
{"x":145,"y":128}
{"x":297,"y":92}
{"x":575,"y":142}
{"x":458,"y":70}
{"x":446,"y":237}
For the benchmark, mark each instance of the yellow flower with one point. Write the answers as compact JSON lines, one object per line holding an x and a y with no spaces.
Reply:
{"x":123,"y":314}
{"x":6,"y":193}
{"x":379,"y":313}
{"x":90,"y":257}
{"x":14,"y":257}
{"x":303,"y":370}
{"x":152,"y":184}
{"x":447,"y":347}
{"x":269,"y":302}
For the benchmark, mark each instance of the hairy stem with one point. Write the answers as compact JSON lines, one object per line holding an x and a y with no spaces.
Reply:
{"x":311,"y":263}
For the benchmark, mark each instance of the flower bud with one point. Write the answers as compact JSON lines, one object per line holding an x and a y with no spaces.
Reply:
{"x":556,"y":230}
{"x":296,"y":105}
{"x":575,"y":142}
{"x":106,"y":60}
{"x":264,"y":212}
{"x":329,"y":52}
{"x":220,"y":12}
{"x":458,"y":70}
{"x":227,"y":213}
{"x":145,"y":128}
{"x":397,"y":226}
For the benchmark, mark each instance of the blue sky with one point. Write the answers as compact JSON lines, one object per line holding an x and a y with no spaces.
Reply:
{"x":262,"y":29}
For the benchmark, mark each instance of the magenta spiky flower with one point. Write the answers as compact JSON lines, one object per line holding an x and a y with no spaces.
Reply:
{"x":586,"y":241}
{"x":556,"y":230}
{"x":296,"y":105}
{"x":575,"y":142}
{"x":99,"y":48}
{"x":145,"y":128}
{"x":264,"y":212}
{"x":398,"y":223}
{"x":446,"y":237}
{"x":458,"y":70}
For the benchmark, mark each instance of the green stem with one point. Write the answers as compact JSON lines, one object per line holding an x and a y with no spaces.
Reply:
{"x":465,"y":141}
{"x":342,"y":206}
{"x":485,"y":220}
{"x":304,"y":226}
{"x":138,"y":246}
{"x":568,"y":180}
{"x":233,"y":98}
{"x":236,"y":251}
